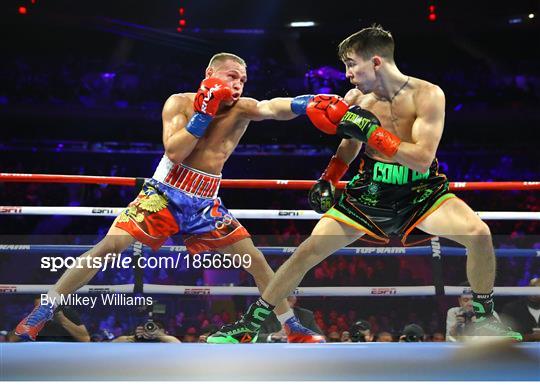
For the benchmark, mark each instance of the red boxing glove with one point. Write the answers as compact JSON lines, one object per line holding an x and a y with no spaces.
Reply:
{"x":326,"y":111}
{"x":211,"y":93}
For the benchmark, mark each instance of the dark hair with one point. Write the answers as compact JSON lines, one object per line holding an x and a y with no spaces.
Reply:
{"x":368,"y":42}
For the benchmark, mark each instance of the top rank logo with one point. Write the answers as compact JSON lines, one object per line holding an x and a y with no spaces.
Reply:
{"x":202,"y":291}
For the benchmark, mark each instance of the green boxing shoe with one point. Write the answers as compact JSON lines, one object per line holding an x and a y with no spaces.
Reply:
{"x":236,"y":333}
{"x":491,"y":326}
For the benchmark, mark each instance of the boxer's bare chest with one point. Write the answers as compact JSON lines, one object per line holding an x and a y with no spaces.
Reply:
{"x":396,"y":115}
{"x":218,"y":143}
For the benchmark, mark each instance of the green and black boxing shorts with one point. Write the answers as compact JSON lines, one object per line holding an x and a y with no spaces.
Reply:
{"x":387,"y":199}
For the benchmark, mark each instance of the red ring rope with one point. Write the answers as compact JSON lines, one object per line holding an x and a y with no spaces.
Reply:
{"x":248,"y":183}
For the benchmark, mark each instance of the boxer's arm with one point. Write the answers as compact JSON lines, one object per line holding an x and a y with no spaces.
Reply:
{"x":349,"y":148}
{"x":426,"y":131}
{"x":276,"y":109}
{"x":178,"y":142}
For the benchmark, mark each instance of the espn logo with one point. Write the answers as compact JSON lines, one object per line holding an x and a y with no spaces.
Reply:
{"x":383,"y":291}
{"x":99,"y":290}
{"x":8,"y":289}
{"x":10,"y":210}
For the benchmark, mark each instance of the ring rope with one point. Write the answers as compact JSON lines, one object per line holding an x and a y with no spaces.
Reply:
{"x":341,"y":291}
{"x":25,"y":249}
{"x":238,"y":213}
{"x":279,"y":184}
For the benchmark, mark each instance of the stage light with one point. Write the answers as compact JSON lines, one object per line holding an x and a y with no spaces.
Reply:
{"x":432,"y":15}
{"x":300,"y":24}
{"x":531,"y":15}
{"x":182,"y":21}
{"x":23,"y":10}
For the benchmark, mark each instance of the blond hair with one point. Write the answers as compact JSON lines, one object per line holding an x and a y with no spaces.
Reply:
{"x":222,"y":56}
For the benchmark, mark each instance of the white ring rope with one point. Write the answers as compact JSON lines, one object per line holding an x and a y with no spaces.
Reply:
{"x":238,"y":213}
{"x":340,"y":291}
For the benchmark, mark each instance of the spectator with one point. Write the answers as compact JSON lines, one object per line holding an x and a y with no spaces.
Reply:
{"x":523,"y":315}
{"x":438,"y":337}
{"x":191,"y":335}
{"x":412,"y":333}
{"x":361,"y":331}
{"x":384,"y":337}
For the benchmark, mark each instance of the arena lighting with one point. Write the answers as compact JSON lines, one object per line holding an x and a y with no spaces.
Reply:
{"x":182,"y":21}
{"x":300,"y":24}
{"x":432,"y":16}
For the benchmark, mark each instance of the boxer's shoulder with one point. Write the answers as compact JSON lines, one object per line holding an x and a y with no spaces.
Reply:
{"x":426,"y":92}
{"x":353,"y":96}
{"x":423,"y":88}
{"x":246,"y":107}
{"x":179,"y":103}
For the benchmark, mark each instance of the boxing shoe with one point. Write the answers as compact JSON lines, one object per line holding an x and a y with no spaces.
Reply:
{"x":29,"y":327}
{"x":236,"y":333}
{"x":490,"y":326}
{"x":296,"y":333}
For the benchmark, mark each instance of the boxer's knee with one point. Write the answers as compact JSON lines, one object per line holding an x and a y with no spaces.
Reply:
{"x":477,"y":235}
{"x":258,"y":264}
{"x":111,"y":246}
{"x":307,"y":255}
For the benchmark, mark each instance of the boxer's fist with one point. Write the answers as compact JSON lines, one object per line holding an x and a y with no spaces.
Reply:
{"x":357,"y":123}
{"x":326,"y":111}
{"x":211,"y":93}
{"x":321,"y":196}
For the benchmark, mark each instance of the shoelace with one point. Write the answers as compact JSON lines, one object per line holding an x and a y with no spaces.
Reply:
{"x":35,"y":316}
{"x":236,"y":327}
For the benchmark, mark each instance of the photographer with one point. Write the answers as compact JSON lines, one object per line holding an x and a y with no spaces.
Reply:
{"x":459,"y":318}
{"x":151,"y":331}
{"x":360,"y":331}
{"x":412,"y":333}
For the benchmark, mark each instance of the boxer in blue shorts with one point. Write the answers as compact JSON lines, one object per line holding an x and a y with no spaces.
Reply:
{"x":200,"y":132}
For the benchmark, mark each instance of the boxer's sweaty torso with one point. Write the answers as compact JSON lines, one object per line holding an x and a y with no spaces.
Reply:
{"x":396,"y":116}
{"x":221,"y":138}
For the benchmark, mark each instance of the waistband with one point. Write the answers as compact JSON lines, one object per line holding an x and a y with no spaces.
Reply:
{"x":187,"y":179}
{"x":394,"y":173}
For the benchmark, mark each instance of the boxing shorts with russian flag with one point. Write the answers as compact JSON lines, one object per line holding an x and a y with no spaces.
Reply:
{"x":181,"y":200}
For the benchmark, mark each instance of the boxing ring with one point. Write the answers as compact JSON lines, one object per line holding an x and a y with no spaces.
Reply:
{"x":484,"y":360}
